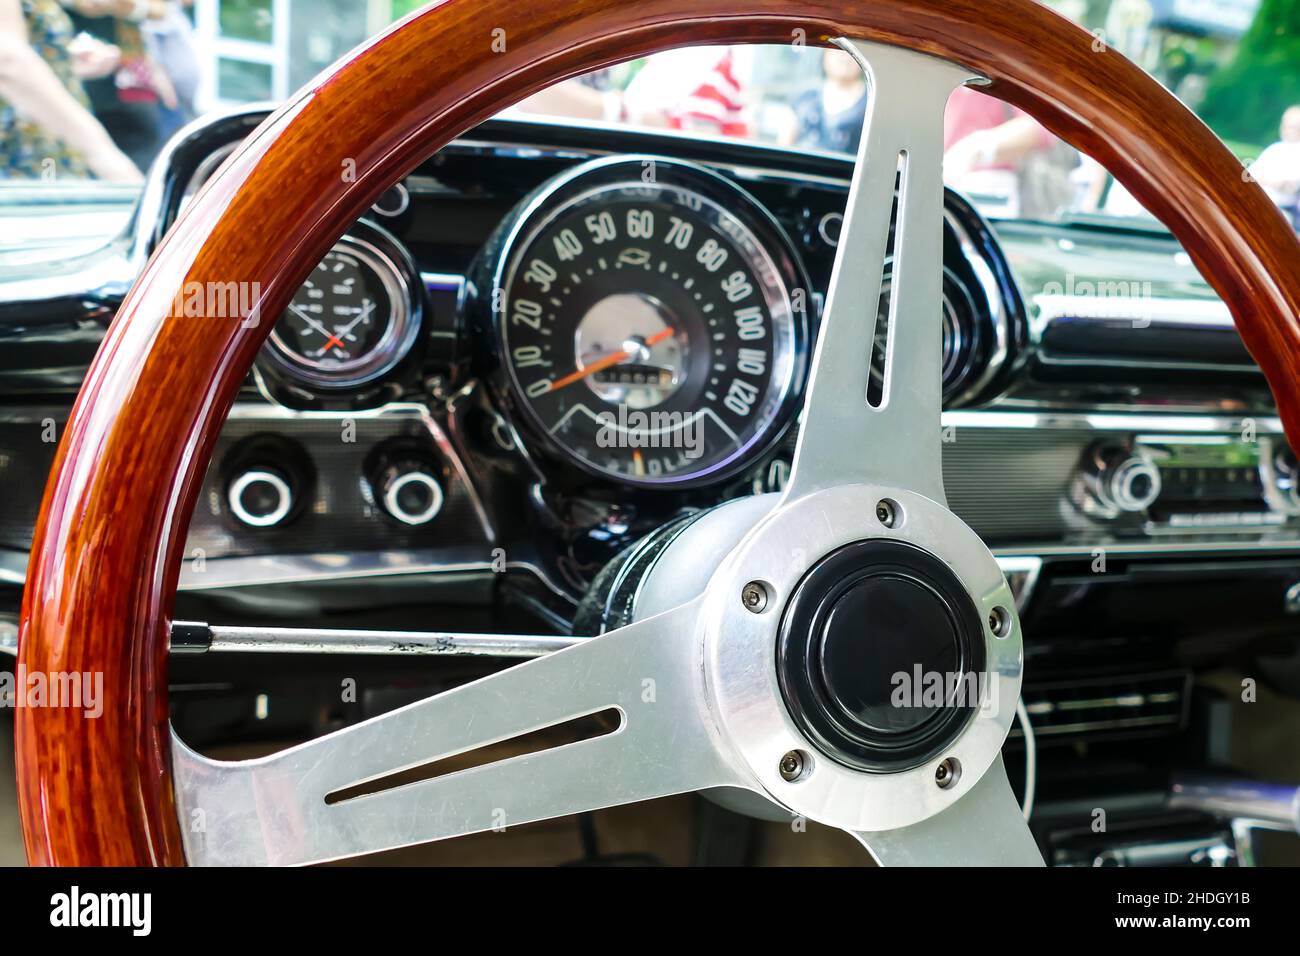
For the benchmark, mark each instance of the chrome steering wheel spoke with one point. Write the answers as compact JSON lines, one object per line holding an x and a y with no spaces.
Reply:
{"x":984,"y":828}
{"x":274,"y":810}
{"x":843,"y":438}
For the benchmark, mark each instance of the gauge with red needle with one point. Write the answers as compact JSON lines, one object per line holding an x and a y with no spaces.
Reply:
{"x":648,"y":329}
{"x":351,"y":320}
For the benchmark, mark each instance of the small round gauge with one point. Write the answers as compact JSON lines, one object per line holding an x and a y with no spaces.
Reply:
{"x":652,"y":327}
{"x":350,"y":321}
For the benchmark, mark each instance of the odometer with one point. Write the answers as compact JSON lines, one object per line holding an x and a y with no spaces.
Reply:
{"x":651,"y":320}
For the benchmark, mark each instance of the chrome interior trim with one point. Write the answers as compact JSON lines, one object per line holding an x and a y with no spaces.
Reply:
{"x":399,"y":336}
{"x":13,"y":567}
{"x":306,"y":568}
{"x":1173,"y":313}
{"x":299,"y":640}
{"x":393,"y":500}
{"x":273,"y":411}
{"x":1021,"y":572}
{"x":1184,"y":313}
{"x":203,"y":172}
{"x":1137,"y":548}
{"x":653,"y":751}
{"x":94,"y":275}
{"x":255,"y":570}
{"x":994,"y":302}
{"x":152,"y":199}
{"x":1268,"y":804}
{"x":1112,"y":421}
{"x":235,"y":498}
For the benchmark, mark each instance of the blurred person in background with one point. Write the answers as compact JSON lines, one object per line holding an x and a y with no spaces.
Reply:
{"x":1278,"y":167}
{"x":130,"y":102}
{"x":698,"y":89}
{"x":1003,"y":155}
{"x":169,"y":42}
{"x":47,"y":130}
{"x":592,"y":96}
{"x":831,"y":116}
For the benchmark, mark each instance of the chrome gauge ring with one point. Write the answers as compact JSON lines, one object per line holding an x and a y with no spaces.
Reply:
{"x":650,"y":321}
{"x":353,"y":319}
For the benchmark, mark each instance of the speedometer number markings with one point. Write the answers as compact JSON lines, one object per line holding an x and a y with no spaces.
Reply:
{"x":669,"y":349}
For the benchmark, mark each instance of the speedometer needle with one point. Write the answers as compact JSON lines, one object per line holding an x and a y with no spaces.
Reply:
{"x":613,"y":358}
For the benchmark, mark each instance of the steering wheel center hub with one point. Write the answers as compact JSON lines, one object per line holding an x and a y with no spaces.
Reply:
{"x":862,"y":615}
{"x":879,"y":654}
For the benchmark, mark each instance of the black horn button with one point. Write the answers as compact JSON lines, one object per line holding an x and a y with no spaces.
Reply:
{"x":879,"y":654}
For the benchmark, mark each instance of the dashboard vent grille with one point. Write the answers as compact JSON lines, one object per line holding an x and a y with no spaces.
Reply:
{"x":1149,"y":704}
{"x":1010,"y":484}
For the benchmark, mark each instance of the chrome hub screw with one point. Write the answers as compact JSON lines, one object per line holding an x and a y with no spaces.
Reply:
{"x":791,"y":766}
{"x":754,"y":596}
{"x":947,"y":773}
{"x":885,"y":513}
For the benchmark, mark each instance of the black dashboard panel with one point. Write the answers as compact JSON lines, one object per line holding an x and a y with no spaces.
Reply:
{"x":499,"y":483}
{"x":1019,"y":442}
{"x":1133,"y":481}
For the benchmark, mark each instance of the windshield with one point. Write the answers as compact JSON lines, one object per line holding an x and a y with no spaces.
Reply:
{"x":95,"y":88}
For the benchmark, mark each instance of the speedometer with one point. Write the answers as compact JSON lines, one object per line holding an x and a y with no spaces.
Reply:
{"x":651,"y":320}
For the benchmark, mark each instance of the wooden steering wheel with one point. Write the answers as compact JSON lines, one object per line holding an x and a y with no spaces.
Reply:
{"x":104,"y":566}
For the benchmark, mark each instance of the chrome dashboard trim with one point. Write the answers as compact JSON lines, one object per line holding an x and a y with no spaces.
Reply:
{"x":1090,"y":549}
{"x":260,"y":570}
{"x":278,"y":569}
{"x":300,"y":640}
{"x":1175,"y":313}
{"x":1022,"y":568}
{"x":400,"y":331}
{"x":274,"y":411}
{"x":102,"y":272}
{"x":994,"y":301}
{"x":150,"y":210}
{"x":1210,"y":315}
{"x":1112,"y":421}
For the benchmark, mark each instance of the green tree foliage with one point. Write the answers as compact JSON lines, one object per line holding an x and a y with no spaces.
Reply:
{"x":1245,"y":99}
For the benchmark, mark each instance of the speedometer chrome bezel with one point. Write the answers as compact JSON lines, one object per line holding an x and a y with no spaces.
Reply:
{"x":367,"y":244}
{"x":720,"y":197}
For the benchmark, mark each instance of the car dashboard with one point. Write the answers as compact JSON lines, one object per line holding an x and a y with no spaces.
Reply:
{"x":413,"y":449}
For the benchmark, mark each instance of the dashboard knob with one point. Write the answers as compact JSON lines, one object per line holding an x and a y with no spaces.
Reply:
{"x":408,"y":492}
{"x":260,"y":497}
{"x":1286,"y":474}
{"x":1121,"y":481}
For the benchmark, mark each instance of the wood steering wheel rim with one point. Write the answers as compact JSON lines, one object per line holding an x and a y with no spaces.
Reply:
{"x":109,"y":542}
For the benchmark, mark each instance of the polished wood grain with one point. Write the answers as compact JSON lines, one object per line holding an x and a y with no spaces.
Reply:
{"x":105,"y":562}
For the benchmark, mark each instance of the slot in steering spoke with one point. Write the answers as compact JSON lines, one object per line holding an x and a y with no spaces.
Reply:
{"x":843,"y":439}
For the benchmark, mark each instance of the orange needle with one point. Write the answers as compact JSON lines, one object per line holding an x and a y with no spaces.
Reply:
{"x":334,"y":342}
{"x":613,"y":358}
